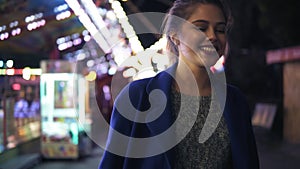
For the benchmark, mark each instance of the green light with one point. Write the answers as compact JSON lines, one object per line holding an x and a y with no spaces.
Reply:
{"x":74,"y":130}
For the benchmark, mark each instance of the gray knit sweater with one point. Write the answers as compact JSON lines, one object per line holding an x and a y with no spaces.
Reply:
{"x":215,"y":153}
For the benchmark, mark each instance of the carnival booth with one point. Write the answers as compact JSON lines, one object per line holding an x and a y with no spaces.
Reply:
{"x":19,"y":108}
{"x":63,"y":115}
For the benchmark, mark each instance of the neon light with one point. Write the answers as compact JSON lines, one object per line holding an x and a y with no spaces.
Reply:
{"x":4,"y":36}
{"x":16,"y":86}
{"x":87,"y":23}
{"x":60,"y":8}
{"x":26,"y":73}
{"x":10,"y":72}
{"x":2,"y":71}
{"x":37,"y":71}
{"x":33,"y":17}
{"x":136,"y":45}
{"x":91,"y":76}
{"x":9,"y":63}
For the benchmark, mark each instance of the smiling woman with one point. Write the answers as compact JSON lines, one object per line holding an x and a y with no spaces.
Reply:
{"x":211,"y":132}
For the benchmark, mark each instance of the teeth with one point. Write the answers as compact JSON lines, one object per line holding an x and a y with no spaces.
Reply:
{"x":208,"y":49}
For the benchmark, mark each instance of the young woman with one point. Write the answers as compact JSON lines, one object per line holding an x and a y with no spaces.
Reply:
{"x":171,"y":136}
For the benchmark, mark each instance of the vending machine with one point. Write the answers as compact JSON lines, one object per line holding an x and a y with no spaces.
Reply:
{"x":62,"y":110}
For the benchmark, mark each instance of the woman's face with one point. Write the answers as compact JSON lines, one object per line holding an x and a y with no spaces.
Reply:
{"x":203,"y":41}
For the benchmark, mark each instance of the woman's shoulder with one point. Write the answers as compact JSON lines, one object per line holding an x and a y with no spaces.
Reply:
{"x":140,"y":83}
{"x":159,"y":78}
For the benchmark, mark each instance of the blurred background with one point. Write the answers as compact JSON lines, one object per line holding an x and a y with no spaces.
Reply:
{"x":59,"y":58}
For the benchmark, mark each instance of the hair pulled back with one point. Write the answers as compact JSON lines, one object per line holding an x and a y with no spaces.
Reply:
{"x":183,"y":9}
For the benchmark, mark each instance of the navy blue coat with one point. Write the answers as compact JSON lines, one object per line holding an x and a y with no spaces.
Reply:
{"x":236,"y":114}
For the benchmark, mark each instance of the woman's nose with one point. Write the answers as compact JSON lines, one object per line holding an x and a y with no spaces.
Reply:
{"x":211,"y":35}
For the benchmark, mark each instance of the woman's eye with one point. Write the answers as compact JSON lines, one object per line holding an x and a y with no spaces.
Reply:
{"x":220,"y":30}
{"x":202,"y":29}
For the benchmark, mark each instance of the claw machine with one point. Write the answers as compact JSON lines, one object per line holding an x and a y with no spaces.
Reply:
{"x":62,"y":106}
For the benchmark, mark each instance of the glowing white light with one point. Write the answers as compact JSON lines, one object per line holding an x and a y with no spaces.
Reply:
{"x":15,"y":32}
{"x":63,"y":15}
{"x":13,"y":24}
{"x":81,"y":56}
{"x":35,"y":71}
{"x":128,"y":29}
{"x":60,"y":8}
{"x":42,"y":22}
{"x":39,"y":15}
{"x":85,"y":32}
{"x":87,"y":38}
{"x":88,"y":24}
{"x":111,"y":15}
{"x":29,"y":27}
{"x":4,"y":36}
{"x":19,"y":30}
{"x":2,"y":28}
{"x":106,"y":89}
{"x":60,"y":40}
{"x":90,"y":63}
{"x":9,"y":63}
{"x":62,"y":46}
{"x":1,"y":63}
{"x":97,"y":19}
{"x":136,"y":44}
{"x":26,"y":73}
{"x":10,"y":72}
{"x":35,"y":25}
{"x":27,"y":19}
{"x":112,"y":70}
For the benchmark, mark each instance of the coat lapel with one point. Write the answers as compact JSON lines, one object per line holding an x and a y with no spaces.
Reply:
{"x":163,"y":82}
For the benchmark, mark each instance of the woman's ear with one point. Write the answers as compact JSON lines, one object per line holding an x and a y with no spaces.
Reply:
{"x":174,"y":39}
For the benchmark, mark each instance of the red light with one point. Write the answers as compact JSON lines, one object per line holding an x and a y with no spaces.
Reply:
{"x":16,"y":86}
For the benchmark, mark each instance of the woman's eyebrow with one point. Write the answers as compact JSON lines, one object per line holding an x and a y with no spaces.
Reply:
{"x":205,"y":21}
{"x":200,"y":21}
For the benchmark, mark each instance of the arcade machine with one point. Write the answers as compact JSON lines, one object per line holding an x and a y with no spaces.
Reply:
{"x":62,"y":110}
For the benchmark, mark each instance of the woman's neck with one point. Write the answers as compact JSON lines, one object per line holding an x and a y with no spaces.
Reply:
{"x":191,"y":78}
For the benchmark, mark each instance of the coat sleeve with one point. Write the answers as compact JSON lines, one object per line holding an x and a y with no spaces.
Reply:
{"x":110,"y":160}
{"x":251,"y":160}
{"x":118,"y":124}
